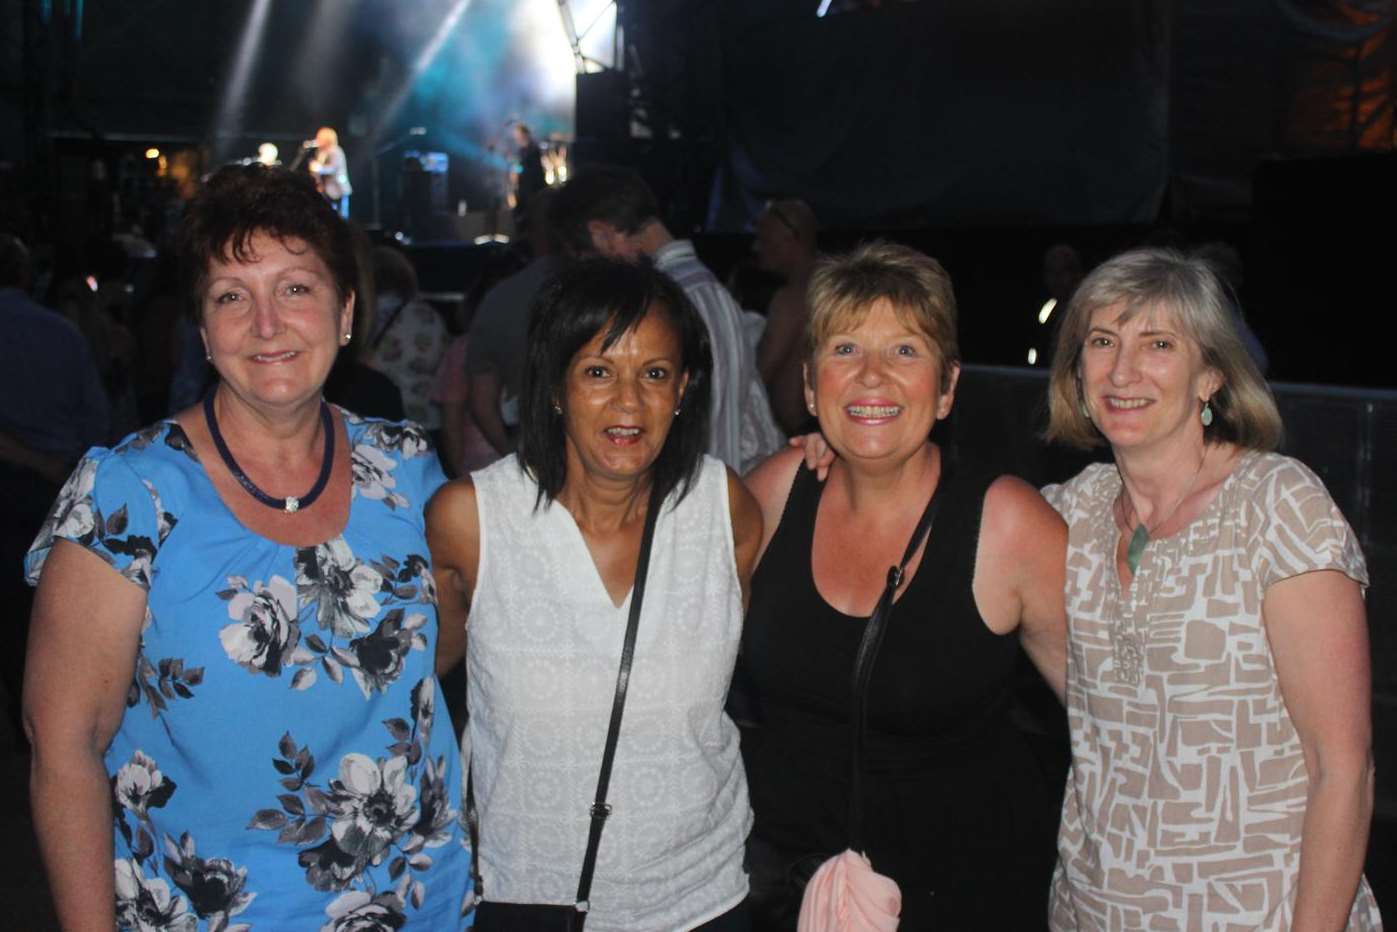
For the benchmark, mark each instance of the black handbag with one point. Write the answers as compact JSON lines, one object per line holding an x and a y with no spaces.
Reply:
{"x":779,"y":878}
{"x":493,"y":916}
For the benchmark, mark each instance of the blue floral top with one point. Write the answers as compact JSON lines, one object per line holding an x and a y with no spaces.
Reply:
{"x":278,"y":765}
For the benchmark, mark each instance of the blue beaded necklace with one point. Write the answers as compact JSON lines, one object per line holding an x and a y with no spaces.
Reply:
{"x":290,"y":503}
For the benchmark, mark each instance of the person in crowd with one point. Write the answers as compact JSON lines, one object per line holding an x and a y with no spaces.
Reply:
{"x":54,"y":402}
{"x":1226,"y":260}
{"x":229,"y":690}
{"x":956,"y":809}
{"x":55,"y":408}
{"x":499,"y":334}
{"x":464,"y":448}
{"x":785,"y":245}
{"x":542,"y":547}
{"x":407,"y":338}
{"x":527,"y":177}
{"x":331,"y":170}
{"x":1218,"y":678}
{"x":613,"y":212}
{"x":352,"y":384}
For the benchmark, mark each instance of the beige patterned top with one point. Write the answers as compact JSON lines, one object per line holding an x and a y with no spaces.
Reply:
{"x":1187,"y":792}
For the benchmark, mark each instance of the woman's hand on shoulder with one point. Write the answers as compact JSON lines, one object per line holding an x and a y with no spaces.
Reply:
{"x":747,"y":536}
{"x":1019,"y":574}
{"x":453,"y":535}
{"x":817,"y":452}
{"x":770,"y":484}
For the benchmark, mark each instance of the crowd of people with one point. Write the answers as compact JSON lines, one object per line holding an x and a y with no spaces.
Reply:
{"x":242,"y":610}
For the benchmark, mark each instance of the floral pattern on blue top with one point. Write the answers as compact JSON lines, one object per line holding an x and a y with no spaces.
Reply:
{"x":285,"y":771}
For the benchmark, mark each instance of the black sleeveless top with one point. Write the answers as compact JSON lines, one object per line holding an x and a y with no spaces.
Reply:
{"x":957,"y":809}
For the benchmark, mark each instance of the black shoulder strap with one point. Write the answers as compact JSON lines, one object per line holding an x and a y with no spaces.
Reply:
{"x":872,"y":640}
{"x":600,"y":808}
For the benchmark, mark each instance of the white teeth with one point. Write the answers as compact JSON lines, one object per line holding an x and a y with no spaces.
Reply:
{"x":1129,"y":404}
{"x":874,"y":410}
{"x":623,"y":431}
{"x":275,"y":357}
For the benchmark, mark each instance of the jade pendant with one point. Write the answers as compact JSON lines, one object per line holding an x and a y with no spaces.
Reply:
{"x":1136,"y":549}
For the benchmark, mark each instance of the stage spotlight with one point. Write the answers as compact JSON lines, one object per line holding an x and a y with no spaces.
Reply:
{"x":152,"y":153}
{"x":420,"y":64}
{"x":1032,"y":356}
{"x":1046,"y":310}
{"x":249,"y":47}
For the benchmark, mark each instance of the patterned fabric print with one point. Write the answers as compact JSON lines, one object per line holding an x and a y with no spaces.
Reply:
{"x":409,"y":353}
{"x":1186,"y":798}
{"x":285,"y":772}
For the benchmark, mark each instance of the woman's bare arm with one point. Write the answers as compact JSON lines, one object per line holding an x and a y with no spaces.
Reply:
{"x":1319,"y":640}
{"x":770,"y":485}
{"x":453,"y":534}
{"x":83,"y":643}
{"x":747,"y":535}
{"x":1020,"y":568}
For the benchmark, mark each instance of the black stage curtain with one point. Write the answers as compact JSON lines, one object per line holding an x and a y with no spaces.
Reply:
{"x":963,"y":112}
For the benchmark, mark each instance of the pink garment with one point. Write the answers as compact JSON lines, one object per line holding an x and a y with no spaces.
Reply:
{"x":847,"y":895}
{"x":452,"y":386}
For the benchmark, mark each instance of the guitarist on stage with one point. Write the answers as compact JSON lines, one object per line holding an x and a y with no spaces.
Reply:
{"x":331,"y":171}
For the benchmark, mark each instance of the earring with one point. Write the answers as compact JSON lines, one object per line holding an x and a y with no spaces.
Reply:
{"x":347,"y":338}
{"x":676,"y":411}
{"x":557,"y":409}
{"x":208,"y":357}
{"x":1086,"y":412}
{"x":1206,"y":416}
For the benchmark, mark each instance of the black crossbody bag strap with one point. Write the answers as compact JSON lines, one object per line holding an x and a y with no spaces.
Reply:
{"x":599,"y":809}
{"x":872,"y":640}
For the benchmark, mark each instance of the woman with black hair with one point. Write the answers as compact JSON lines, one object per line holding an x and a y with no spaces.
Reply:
{"x":541,"y":548}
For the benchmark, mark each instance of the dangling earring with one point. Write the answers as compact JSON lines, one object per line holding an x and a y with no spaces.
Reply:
{"x":1206,"y":416}
{"x":1086,"y":412}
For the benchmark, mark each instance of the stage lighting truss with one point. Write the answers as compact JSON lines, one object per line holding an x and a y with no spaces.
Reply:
{"x":584,"y":62}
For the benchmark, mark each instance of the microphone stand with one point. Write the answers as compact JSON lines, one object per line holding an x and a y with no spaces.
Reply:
{"x":300,"y":156}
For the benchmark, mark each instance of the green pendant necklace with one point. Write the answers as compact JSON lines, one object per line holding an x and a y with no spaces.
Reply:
{"x":1140,"y":537}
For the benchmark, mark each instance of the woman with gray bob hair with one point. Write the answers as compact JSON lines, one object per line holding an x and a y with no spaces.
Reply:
{"x":1218,"y":674}
{"x":1244,"y":412}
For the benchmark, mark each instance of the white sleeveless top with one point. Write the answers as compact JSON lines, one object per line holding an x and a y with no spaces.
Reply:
{"x":544,"y":645}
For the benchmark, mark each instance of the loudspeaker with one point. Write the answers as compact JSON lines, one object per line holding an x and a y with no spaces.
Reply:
{"x":602,"y":105}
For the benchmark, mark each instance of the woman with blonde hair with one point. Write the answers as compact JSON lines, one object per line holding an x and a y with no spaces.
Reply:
{"x":954,"y":806}
{"x":1218,"y":679}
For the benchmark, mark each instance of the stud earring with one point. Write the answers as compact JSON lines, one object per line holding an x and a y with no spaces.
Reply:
{"x":676,"y":412}
{"x":1206,"y":416}
{"x":558,"y":409}
{"x":208,"y":357}
{"x":348,"y":337}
